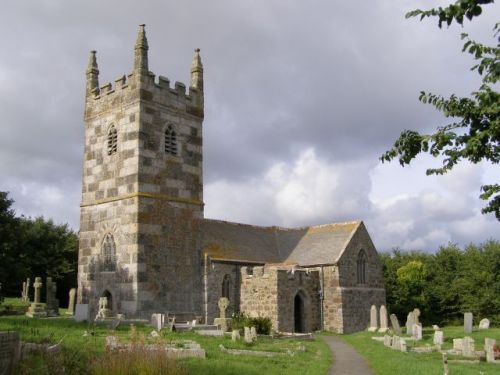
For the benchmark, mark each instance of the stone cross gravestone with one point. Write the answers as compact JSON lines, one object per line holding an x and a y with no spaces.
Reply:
{"x":222,"y":321}
{"x":395,"y":324}
{"x":10,"y":351}
{"x":373,"y":319}
{"x":37,"y":309}
{"x":438,"y":338}
{"x":489,"y":345}
{"x":468,"y":322}
{"x":484,"y":324}
{"x":384,"y":324}
{"x":71,"y":303}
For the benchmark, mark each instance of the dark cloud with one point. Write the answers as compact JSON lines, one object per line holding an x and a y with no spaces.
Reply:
{"x":338,"y":78}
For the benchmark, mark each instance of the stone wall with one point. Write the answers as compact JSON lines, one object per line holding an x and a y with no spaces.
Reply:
{"x":9,"y":352}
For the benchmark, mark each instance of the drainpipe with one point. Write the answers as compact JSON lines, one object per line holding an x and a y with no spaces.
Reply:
{"x":322,"y":298}
{"x":205,"y":286}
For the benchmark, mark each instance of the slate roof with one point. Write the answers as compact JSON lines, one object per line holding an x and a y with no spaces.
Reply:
{"x":321,"y":244}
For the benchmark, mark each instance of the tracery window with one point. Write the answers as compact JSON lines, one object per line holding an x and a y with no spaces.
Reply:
{"x":108,"y":251}
{"x":361,"y":267}
{"x":170,"y":141}
{"x":112,"y":141}
{"x":226,"y":286}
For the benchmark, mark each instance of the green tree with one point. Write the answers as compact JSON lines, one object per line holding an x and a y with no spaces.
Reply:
{"x":474,"y":133}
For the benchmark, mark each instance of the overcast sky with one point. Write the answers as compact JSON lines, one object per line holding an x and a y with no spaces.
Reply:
{"x":301,"y":98}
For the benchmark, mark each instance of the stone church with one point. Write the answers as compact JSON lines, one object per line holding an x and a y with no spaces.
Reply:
{"x":146,"y":246}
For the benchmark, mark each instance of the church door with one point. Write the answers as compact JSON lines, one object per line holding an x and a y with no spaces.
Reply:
{"x":298,"y":313}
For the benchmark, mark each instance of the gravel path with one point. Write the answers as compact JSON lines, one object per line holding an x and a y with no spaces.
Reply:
{"x":346,"y":361}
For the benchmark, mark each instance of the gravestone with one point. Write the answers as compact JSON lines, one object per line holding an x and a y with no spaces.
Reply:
{"x":222,"y":321}
{"x":402,"y":345}
{"x":438,"y":337}
{"x":416,"y":331}
{"x":37,"y":309}
{"x":468,"y":323}
{"x":23,"y":293}
{"x":387,"y":340}
{"x":458,"y":344}
{"x":26,"y":290}
{"x":71,"y":303}
{"x":484,"y":324}
{"x":253,"y":333}
{"x":373,"y":319}
{"x":395,"y":324}
{"x":52,"y":303}
{"x":248,"y":335}
{"x":383,"y":319}
{"x":468,"y":347}
{"x":410,"y":321}
{"x":489,"y":345}
{"x":10,"y":351}
{"x":81,"y":312}
{"x":158,"y":321}
{"x":235,"y":335}
{"x":416,"y":315}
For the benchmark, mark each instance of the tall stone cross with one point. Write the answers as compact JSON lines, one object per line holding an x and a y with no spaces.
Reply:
{"x":223,"y":305}
{"x":38,"y":286}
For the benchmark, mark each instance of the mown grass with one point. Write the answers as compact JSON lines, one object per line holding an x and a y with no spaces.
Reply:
{"x":385,"y":361}
{"x":80,"y":353}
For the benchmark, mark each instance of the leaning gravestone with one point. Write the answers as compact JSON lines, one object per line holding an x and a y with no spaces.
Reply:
{"x":373,"y":319}
{"x":71,"y":303}
{"x":468,"y":323}
{"x":9,"y":352}
{"x":484,"y":324}
{"x":395,"y":324}
{"x":383,"y":320}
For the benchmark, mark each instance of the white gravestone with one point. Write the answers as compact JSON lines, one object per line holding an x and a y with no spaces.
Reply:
{"x":410,"y":321}
{"x":82,"y":312}
{"x":248,"y":335}
{"x":395,"y":324}
{"x":468,"y":347}
{"x":373,"y":319}
{"x":489,"y":344}
{"x":235,"y":335}
{"x":383,"y":320}
{"x":438,"y":337}
{"x":484,"y":324}
{"x":416,"y":332}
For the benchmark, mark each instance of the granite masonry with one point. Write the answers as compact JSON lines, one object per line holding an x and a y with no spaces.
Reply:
{"x":144,"y":242}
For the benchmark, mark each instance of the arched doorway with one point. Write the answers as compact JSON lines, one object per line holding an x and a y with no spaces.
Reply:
{"x":108,"y":295}
{"x":299,"y":314}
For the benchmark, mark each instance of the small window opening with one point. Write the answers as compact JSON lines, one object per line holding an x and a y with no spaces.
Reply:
{"x":226,"y":286}
{"x":170,"y":141}
{"x":112,"y":141}
{"x":108,"y":253}
{"x":361,"y":267}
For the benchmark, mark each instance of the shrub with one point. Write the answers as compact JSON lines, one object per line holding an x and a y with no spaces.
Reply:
{"x":262,"y":325}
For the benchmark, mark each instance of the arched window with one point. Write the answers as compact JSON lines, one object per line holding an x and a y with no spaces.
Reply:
{"x":170,"y":141}
{"x":361,"y":267}
{"x":226,"y":286}
{"x":108,"y":251}
{"x":112,"y":141}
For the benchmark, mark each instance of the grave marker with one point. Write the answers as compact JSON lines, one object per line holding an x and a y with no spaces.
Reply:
{"x":383,"y":319}
{"x":468,"y":323}
{"x":395,"y":324}
{"x":373,"y":319}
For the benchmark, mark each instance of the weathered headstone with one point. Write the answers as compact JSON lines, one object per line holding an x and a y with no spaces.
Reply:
{"x":52,"y":303}
{"x":373,"y":319}
{"x":235,"y":335}
{"x":438,"y":337}
{"x":248,"y":335}
{"x":410,"y":321}
{"x":484,"y":324}
{"x":10,"y":350}
{"x":402,"y":345}
{"x":71,"y":303}
{"x":489,"y":345}
{"x":158,"y":321}
{"x":468,"y":322}
{"x":416,"y":331}
{"x":395,"y":342}
{"x":435,"y":327}
{"x":222,"y":321}
{"x":81,"y":312}
{"x":387,"y":340}
{"x":468,"y":347}
{"x":37,"y":309}
{"x":383,"y":319}
{"x":395,"y":324}
{"x":23,"y":293}
{"x":458,"y":344}
{"x":253,"y":333}
{"x":26,"y":297}
{"x":416,"y":315}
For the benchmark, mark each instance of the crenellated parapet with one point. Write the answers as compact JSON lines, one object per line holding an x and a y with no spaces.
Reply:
{"x":143,"y":85}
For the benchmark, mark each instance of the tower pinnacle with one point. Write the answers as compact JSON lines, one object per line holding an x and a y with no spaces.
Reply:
{"x":197,"y":71}
{"x":92,"y":73}
{"x":141,"y":52}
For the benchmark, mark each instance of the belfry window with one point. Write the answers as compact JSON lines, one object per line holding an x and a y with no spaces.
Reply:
{"x":226,"y":286}
{"x":361,"y":267}
{"x":112,"y":141}
{"x":108,"y":252}
{"x":170,"y":141}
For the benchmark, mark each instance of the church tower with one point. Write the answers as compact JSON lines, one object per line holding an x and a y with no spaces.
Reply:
{"x":142,"y":193}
